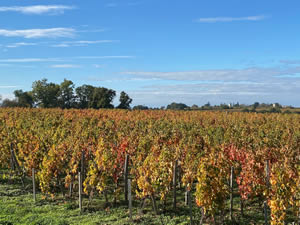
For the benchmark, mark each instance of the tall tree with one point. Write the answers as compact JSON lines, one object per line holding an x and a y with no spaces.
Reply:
{"x":84,"y":95}
{"x":7,"y":103}
{"x":177,"y":106}
{"x":102,"y":98}
{"x":23,"y":99}
{"x":45,"y":94}
{"x":66,"y":94}
{"x":125,"y":101}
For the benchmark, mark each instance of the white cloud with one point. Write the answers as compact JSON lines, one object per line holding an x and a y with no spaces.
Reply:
{"x":89,"y":42}
{"x":7,"y":96}
{"x":275,"y":84}
{"x":19,"y":44}
{"x":39,"y":33}
{"x":61,"y":45}
{"x":35,"y":60}
{"x":98,"y":66}
{"x":29,"y":60}
{"x":81,"y":43}
{"x":111,"y":5}
{"x":65,"y":66}
{"x":7,"y":86}
{"x":216,"y":93}
{"x":290,"y":62}
{"x":230,"y":19}
{"x":5,"y":65}
{"x":107,"y":57}
{"x":247,"y":74}
{"x":38,"y":9}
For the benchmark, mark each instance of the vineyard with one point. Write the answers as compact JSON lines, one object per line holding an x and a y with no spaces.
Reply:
{"x":159,"y":153}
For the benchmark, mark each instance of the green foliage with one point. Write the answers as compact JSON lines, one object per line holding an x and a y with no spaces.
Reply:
{"x":24,"y":99}
{"x":7,"y":103}
{"x":102,"y":98}
{"x":255,"y":105}
{"x":125,"y":101}
{"x":140,"y":107}
{"x":51,"y":95}
{"x":84,"y":95}
{"x":45,"y":94}
{"x":66,"y":94}
{"x":177,"y":106}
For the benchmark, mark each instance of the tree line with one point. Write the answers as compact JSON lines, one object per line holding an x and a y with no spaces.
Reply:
{"x":46,"y":94}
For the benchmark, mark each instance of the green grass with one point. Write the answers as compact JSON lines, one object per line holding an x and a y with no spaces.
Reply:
{"x":17,"y":207}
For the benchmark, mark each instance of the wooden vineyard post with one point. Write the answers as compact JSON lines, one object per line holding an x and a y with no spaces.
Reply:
{"x":33,"y":185}
{"x":268,"y":185}
{"x":130,"y":199}
{"x":126,"y":177}
{"x":174,"y":184}
{"x":143,"y":203}
{"x":242,"y":206}
{"x":14,"y":159}
{"x":12,"y":163}
{"x":154,"y":204}
{"x":82,"y":165}
{"x":179,"y":176}
{"x":186,"y":198}
{"x":202,"y":217}
{"x":189,"y":200}
{"x":15,"y":165}
{"x":80,"y":190}
{"x":71,"y":187}
{"x":231,"y":193}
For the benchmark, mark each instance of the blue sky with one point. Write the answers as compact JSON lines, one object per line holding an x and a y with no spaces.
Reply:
{"x":191,"y":51}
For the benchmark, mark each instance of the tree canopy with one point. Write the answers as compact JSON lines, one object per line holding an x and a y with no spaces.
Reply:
{"x":125,"y":101}
{"x":46,"y":94}
{"x":177,"y":106}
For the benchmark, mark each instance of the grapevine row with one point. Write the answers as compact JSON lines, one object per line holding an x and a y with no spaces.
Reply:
{"x":204,"y":145}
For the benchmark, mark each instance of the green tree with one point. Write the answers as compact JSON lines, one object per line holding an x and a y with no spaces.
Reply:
{"x":255,"y":105}
{"x":140,"y":107}
{"x":45,"y":94}
{"x":84,"y":95}
{"x":66,"y":94}
{"x":177,"y":106}
{"x":125,"y":101}
{"x":7,"y":103}
{"x":102,"y":98}
{"x":23,"y":99}
{"x":194,"y":107}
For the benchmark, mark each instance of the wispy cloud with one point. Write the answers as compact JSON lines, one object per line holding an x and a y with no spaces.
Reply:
{"x":98,"y":66}
{"x":273,"y":84}
{"x":68,"y":66}
{"x":7,"y":86}
{"x":63,"y":59}
{"x":111,"y":5}
{"x":39,"y":33}
{"x":114,"y":4}
{"x":107,"y":57}
{"x":290,"y":62}
{"x":19,"y":44}
{"x":231,"y":19}
{"x":5,"y":65}
{"x":247,"y":74}
{"x":38,"y":9}
{"x":29,"y":60}
{"x":81,"y":43}
{"x":8,"y":96}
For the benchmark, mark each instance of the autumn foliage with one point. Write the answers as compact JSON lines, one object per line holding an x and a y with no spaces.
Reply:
{"x":205,"y":145}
